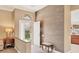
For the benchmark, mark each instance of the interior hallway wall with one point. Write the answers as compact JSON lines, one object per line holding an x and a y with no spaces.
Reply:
{"x":20,"y":45}
{"x":53,"y":17}
{"x":6,"y":20}
{"x":67,"y":28}
{"x":74,"y":7}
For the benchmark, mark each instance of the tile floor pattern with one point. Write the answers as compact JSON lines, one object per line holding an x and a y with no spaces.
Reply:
{"x":35,"y":49}
{"x":8,"y":50}
{"x":74,"y":48}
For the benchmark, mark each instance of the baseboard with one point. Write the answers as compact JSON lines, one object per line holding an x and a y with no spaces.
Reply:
{"x":17,"y":50}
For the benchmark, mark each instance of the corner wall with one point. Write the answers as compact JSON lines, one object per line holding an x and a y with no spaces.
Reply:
{"x":20,"y":45}
{"x":53,"y":17}
{"x":67,"y":26}
{"x":6,"y":20}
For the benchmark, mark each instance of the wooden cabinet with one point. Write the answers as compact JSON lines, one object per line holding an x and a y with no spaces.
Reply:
{"x":75,"y":39}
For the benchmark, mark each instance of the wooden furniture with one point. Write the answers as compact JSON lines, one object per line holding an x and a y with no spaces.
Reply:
{"x":8,"y":42}
{"x":1,"y":44}
{"x":75,"y":39}
{"x":48,"y":46}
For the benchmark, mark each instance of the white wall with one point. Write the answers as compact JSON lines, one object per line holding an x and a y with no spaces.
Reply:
{"x":37,"y":34}
{"x":21,"y":30}
{"x":75,"y":17}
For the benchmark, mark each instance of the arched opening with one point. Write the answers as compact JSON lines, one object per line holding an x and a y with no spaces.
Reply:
{"x":75,"y":27}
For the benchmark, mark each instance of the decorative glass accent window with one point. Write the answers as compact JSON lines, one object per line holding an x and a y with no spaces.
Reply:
{"x":25,"y":28}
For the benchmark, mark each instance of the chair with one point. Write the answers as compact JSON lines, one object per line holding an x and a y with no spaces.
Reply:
{"x":8,"y":42}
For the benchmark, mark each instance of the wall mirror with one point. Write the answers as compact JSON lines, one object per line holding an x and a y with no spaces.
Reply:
{"x":25,"y":28}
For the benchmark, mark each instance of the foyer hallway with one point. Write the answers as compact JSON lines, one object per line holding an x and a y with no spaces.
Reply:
{"x":8,"y":50}
{"x":74,"y":48}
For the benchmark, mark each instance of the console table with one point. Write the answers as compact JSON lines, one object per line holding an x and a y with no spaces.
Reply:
{"x":48,"y":46}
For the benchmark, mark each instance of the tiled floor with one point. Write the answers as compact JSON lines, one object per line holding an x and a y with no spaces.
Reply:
{"x":74,"y":48}
{"x":35,"y":49}
{"x":8,"y":50}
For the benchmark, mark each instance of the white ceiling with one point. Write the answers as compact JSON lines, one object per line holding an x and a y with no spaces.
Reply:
{"x":31,"y":8}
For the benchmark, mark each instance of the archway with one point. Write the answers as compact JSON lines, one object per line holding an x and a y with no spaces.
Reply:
{"x":75,"y":26}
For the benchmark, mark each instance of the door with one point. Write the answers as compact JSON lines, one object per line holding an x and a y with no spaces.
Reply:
{"x":37,"y":33}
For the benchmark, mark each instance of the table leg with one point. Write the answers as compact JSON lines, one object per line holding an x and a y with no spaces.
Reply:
{"x":48,"y":49}
{"x":42,"y":47}
{"x":51,"y":48}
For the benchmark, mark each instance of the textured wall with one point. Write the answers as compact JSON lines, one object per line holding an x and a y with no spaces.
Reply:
{"x":74,"y":7}
{"x":6,"y":20}
{"x":18,"y":14}
{"x":2,"y":32}
{"x":67,"y":26}
{"x":53,"y":17}
{"x":20,"y":45}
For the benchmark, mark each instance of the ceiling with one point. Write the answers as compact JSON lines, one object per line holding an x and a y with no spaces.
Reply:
{"x":31,"y":8}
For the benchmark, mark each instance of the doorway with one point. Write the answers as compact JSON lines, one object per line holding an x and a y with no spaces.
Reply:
{"x":75,"y":27}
